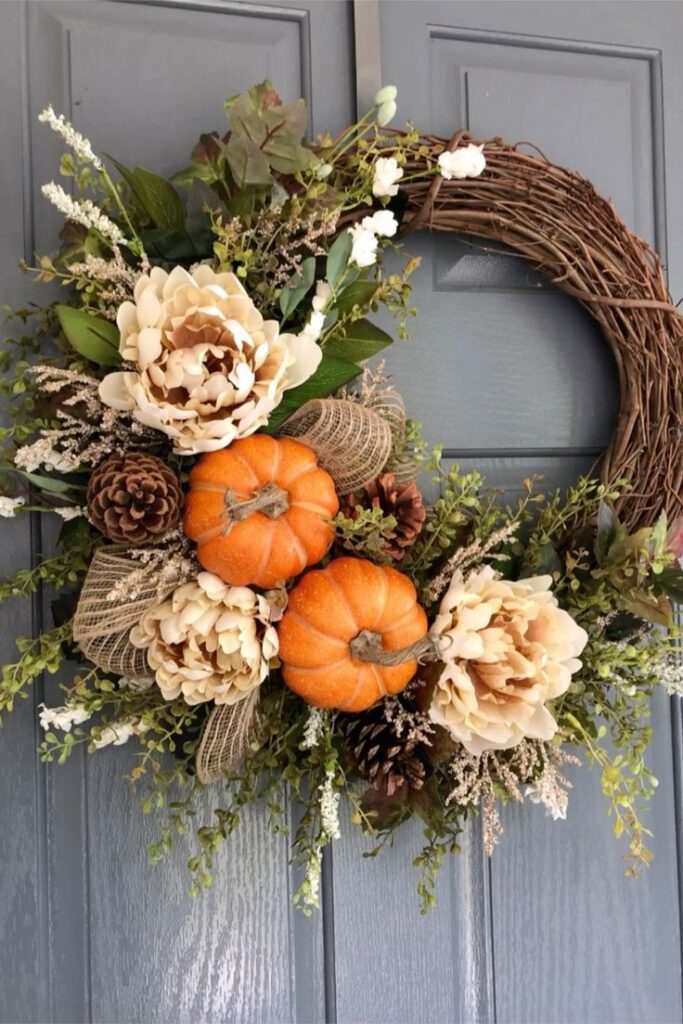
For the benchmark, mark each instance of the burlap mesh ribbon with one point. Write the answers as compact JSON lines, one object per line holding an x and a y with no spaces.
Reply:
{"x":225,"y":738}
{"x":388,"y":404}
{"x":116,"y":594}
{"x":353,"y":442}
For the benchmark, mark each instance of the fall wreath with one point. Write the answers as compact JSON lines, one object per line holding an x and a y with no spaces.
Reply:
{"x":250,"y":586}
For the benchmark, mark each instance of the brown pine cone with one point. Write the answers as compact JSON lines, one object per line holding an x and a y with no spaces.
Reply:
{"x":387,"y":757}
{"x":403,"y":501}
{"x":134,"y":498}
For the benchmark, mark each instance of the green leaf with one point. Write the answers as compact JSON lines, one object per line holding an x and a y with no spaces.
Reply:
{"x":291,"y":296}
{"x":158,"y":198}
{"x":670,"y":582}
{"x":658,"y":536}
{"x":360,"y":293}
{"x":383,"y":812}
{"x":608,"y":529}
{"x":546,"y":562}
{"x":191,"y":173}
{"x":331,"y":375}
{"x":262,"y":122}
{"x":91,"y":336}
{"x":171,"y":246}
{"x":337,"y":258}
{"x":653,"y":609}
{"x":207,"y":162}
{"x":243,"y":201}
{"x":248,"y":164}
{"x":52,"y":485}
{"x":360,"y":341}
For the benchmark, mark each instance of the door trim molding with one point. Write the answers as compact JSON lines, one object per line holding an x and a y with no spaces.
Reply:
{"x":368,"y":50}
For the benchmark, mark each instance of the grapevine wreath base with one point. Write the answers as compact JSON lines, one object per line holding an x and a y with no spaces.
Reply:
{"x":567,"y":230}
{"x":251,"y":588}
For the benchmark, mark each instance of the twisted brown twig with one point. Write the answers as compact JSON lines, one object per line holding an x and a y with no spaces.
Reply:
{"x":572,"y":234}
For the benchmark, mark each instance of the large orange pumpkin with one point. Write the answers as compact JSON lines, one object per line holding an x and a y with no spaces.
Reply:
{"x":260,"y":510}
{"x":327,"y":611}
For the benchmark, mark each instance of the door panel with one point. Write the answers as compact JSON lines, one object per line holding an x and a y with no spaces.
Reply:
{"x":87,"y":929}
{"x":465,"y":368}
{"x":515,"y":379}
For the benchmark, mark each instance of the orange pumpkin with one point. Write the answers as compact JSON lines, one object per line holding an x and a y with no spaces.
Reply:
{"x":260,"y":510}
{"x":327,"y":611}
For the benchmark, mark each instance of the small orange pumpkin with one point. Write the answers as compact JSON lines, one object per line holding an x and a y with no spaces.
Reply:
{"x":329,"y":611}
{"x":260,"y":510}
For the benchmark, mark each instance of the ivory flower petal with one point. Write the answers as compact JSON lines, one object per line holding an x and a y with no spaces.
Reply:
{"x":114,"y":391}
{"x":307,"y":356}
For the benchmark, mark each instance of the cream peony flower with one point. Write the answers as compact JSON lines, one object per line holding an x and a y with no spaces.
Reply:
{"x":386,"y":178}
{"x":208,"y":641}
{"x":466,"y":162}
{"x":507,"y":649}
{"x":209,"y":368}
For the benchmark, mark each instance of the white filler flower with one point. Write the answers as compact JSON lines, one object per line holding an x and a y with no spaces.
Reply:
{"x":62,"y":718}
{"x":9,"y":506}
{"x":119,"y":733}
{"x":80,"y":145}
{"x":387,"y":175}
{"x":465,"y":162}
{"x":84,"y":212}
{"x":381,"y":224}
{"x":364,"y":246}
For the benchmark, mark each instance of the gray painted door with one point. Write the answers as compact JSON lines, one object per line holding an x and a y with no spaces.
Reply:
{"x":501,"y":369}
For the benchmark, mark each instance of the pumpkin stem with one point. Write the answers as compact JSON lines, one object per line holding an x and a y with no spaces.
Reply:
{"x":367,"y":646}
{"x":269,"y":499}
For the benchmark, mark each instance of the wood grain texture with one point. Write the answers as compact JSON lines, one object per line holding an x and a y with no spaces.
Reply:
{"x":560,"y":900}
{"x":572,"y":939}
{"x":157,"y":955}
{"x":392,"y":964}
{"x":118,"y":941}
{"x":23,"y":963}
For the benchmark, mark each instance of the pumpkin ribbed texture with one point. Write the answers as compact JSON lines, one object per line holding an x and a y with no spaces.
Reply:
{"x":326,"y":610}
{"x":260,"y":549}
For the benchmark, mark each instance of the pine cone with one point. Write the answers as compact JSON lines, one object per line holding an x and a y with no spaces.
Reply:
{"x":378,"y":752}
{"x":403,"y":501}
{"x":134,"y":498}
